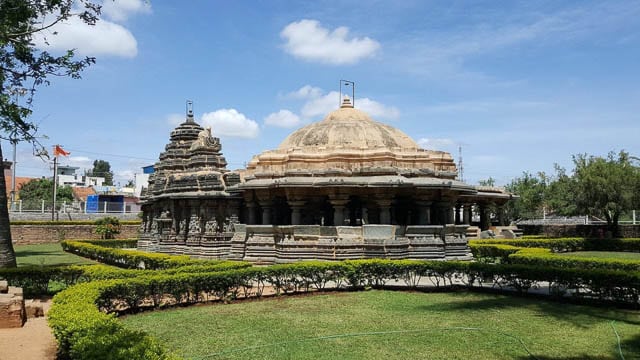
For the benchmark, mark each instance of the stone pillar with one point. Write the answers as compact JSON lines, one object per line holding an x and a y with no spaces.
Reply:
{"x":339,"y":203}
{"x":266,"y":212}
{"x":444,"y":212}
{"x":296,"y":207}
{"x":485,"y":220}
{"x":467,"y":214}
{"x":424,"y":212}
{"x":501,"y":216}
{"x":458,"y":219}
{"x":385,"y":213}
{"x":251,"y":213}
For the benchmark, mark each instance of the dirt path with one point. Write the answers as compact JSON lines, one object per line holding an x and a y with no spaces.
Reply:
{"x":33,"y":341}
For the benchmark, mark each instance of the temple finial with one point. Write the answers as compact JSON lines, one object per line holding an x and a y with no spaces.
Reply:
{"x":347,"y":102}
{"x":190,"y":111}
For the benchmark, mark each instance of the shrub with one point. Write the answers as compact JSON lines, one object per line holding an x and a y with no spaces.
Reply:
{"x":107,"y":227}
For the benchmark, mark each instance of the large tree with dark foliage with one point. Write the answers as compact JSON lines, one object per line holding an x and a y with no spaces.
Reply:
{"x":102,"y":168}
{"x":23,"y":69}
{"x":606,"y":187}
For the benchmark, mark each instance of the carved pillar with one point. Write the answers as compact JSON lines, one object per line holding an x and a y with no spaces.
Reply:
{"x":424,"y":212}
{"x":485,"y":219}
{"x":339,"y":204}
{"x":385,"y":213}
{"x":501,"y":217}
{"x":444,"y":212}
{"x":251,"y":213}
{"x":296,"y":208}
{"x":458,"y":218}
{"x":467,"y":214}
{"x":266,"y":212}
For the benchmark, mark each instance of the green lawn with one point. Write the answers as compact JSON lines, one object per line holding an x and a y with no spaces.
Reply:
{"x":47,"y":255}
{"x":394,"y":325}
{"x":603,"y":255}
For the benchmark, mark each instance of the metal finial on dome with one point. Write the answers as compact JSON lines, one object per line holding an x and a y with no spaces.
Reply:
{"x":346,"y":102}
{"x":190,"y":111}
{"x":347,"y":83}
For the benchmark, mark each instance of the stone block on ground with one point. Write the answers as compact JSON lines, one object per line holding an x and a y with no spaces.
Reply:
{"x":12,"y":314}
{"x":4,"y":286}
{"x":33,"y":308}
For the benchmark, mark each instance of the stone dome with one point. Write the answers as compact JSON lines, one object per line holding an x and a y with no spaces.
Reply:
{"x":348,"y":128}
{"x":348,"y":143}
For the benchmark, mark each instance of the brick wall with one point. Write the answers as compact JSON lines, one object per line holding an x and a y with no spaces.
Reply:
{"x":42,"y":234}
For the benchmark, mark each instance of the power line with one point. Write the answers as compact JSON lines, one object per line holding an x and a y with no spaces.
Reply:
{"x":114,"y":155}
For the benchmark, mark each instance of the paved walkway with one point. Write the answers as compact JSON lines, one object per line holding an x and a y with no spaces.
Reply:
{"x":33,"y":341}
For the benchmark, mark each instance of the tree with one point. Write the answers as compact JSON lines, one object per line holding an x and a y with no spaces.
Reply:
{"x":33,"y":192}
{"x":531,"y":191}
{"x":489,"y":182}
{"x":560,"y":195}
{"x":102,"y":168}
{"x":23,"y":68}
{"x":606,"y":187}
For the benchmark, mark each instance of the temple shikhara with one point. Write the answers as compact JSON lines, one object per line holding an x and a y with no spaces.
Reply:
{"x":346,"y":187}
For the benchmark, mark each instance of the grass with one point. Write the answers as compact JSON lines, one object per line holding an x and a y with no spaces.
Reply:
{"x":394,"y":325}
{"x":603,"y":255}
{"x":47,"y":255}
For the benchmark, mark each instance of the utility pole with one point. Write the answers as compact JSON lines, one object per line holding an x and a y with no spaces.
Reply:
{"x":460,"y":167}
{"x":55,"y":187}
{"x":14,"y":141}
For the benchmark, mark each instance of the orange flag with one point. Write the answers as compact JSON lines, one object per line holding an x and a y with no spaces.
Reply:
{"x":58,"y":150}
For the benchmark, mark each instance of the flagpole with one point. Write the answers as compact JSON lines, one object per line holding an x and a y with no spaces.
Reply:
{"x":55,"y":186}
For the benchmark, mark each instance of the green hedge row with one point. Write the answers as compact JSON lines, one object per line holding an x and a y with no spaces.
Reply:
{"x":69,"y":222}
{"x":84,"y":330}
{"x":540,"y":252}
{"x":568,"y":244}
{"x":46,"y":280}
{"x":130,"y":259}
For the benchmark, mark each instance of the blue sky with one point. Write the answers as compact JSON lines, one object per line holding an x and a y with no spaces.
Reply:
{"x":520,"y":85}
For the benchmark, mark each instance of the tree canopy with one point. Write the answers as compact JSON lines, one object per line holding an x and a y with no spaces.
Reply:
{"x":23,"y":68}
{"x":33,"y":192}
{"x":604,"y":187}
{"x":102,"y":168}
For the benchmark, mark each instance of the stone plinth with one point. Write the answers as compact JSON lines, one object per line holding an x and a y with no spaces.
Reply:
{"x":12,"y":313}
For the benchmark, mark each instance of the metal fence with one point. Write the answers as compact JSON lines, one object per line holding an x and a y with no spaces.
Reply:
{"x":104,"y":207}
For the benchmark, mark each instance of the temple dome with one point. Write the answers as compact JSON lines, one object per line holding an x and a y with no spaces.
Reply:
{"x":348,"y":128}
{"x":348,"y":143}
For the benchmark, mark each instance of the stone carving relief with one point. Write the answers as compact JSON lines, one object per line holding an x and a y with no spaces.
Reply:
{"x":206,"y":141}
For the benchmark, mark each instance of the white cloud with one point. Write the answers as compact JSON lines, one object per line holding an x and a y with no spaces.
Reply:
{"x":322,"y":105}
{"x":376,"y":109}
{"x":175,"y":119}
{"x":283,"y":118}
{"x":230,"y":122}
{"x":441,"y":144}
{"x":308,"y":40}
{"x":103,"y":38}
{"x":305,"y":92}
{"x":120,"y":10}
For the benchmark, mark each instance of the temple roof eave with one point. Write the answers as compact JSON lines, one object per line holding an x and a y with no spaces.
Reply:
{"x":358,"y":181}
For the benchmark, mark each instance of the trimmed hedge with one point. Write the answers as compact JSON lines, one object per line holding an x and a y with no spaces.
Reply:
{"x":130,"y":259}
{"x":540,"y":252}
{"x":567,"y":244}
{"x":84,"y":330}
{"x":47,"y":280}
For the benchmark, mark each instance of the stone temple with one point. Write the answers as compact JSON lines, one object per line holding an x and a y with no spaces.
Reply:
{"x":346,"y":187}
